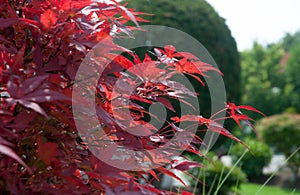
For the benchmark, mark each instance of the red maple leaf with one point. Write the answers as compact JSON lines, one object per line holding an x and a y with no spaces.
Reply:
{"x":4,"y":149}
{"x":47,"y":151}
{"x":48,"y":18}
{"x":236,"y":114}
{"x":32,"y":91}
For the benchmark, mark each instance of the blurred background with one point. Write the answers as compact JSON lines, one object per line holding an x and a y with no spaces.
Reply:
{"x":256,"y":44}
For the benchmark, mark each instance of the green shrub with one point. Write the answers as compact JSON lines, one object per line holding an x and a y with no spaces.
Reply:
{"x":283,"y":133}
{"x":252,"y":162}
{"x":212,"y":176}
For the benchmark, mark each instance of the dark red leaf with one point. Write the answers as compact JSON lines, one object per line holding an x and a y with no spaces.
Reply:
{"x":33,"y":106}
{"x":140,"y":99}
{"x":154,"y":175}
{"x":179,"y":88}
{"x":7,"y":22}
{"x":5,"y":132}
{"x":32,"y":84}
{"x":171,"y":174}
{"x":12,"y":89}
{"x":18,"y":59}
{"x":4,"y":142}
{"x":215,"y":127}
{"x":3,"y":39}
{"x":185,"y":165}
{"x":45,"y":95}
{"x":38,"y":56}
{"x":9,"y":152}
{"x":47,"y":151}
{"x":166,"y":103}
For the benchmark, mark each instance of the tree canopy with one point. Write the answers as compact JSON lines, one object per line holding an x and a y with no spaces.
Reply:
{"x":270,"y":77}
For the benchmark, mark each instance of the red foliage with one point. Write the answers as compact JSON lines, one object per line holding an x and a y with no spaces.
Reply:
{"x":42,"y":44}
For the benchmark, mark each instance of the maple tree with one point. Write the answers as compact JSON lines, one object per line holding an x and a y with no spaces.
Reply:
{"x":42,"y":45}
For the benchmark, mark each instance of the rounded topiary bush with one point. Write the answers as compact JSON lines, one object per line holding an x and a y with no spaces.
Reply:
{"x":211,"y":178}
{"x":200,"y":20}
{"x":282,"y":131}
{"x":252,"y":163}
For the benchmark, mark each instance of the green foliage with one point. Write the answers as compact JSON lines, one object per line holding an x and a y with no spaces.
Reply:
{"x":252,"y":162}
{"x":261,"y":78}
{"x":200,"y":20}
{"x":292,"y":75}
{"x":283,"y":132}
{"x":251,"y":188}
{"x":270,"y":76}
{"x":291,"y":40}
{"x":211,"y":177}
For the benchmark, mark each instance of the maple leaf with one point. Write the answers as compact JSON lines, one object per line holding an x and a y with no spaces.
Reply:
{"x":32,"y":91}
{"x":232,"y":107}
{"x":166,"y":103}
{"x":215,"y":127}
{"x":9,"y":152}
{"x":194,"y":67}
{"x":146,"y":70}
{"x":184,"y":62}
{"x":171,"y":174}
{"x":209,"y":123}
{"x":48,"y":18}
{"x":124,"y":62}
{"x":236,"y":114}
{"x":189,"y":117}
{"x":185,"y":165}
{"x":126,"y":13}
{"x":166,"y":55}
{"x":6,"y":22}
{"x":169,"y":50}
{"x":153,"y":174}
{"x":47,"y":151}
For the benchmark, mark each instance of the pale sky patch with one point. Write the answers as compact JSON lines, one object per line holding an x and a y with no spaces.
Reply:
{"x":265,"y":21}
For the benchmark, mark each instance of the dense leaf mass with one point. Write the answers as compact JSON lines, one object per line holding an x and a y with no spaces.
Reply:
{"x":42,"y":45}
{"x":270,"y":76}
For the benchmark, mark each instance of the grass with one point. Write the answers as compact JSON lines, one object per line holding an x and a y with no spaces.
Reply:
{"x":256,"y":189}
{"x":250,"y":189}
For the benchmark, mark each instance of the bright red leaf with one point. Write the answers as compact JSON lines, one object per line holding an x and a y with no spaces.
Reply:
{"x":48,"y":18}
